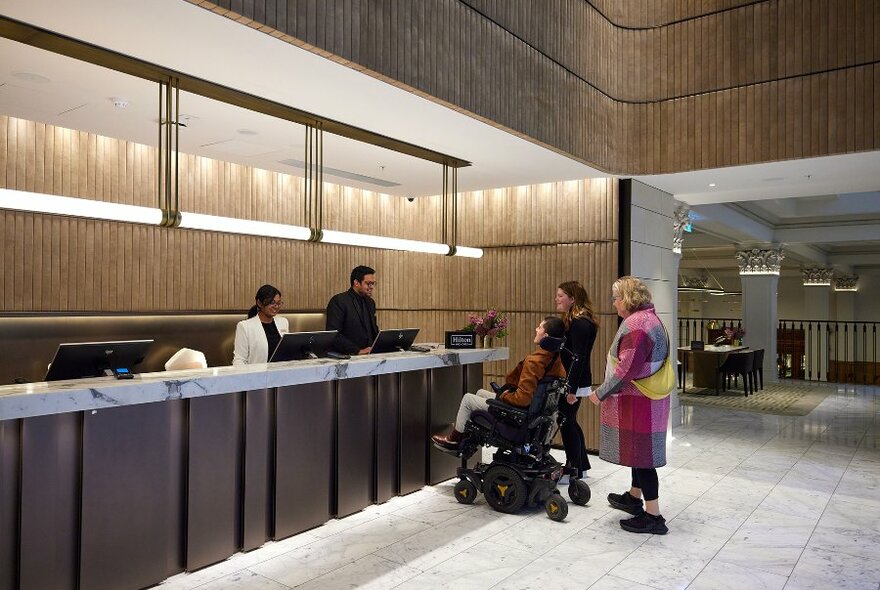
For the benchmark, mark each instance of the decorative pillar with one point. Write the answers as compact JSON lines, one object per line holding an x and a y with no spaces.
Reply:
{"x":817,"y":307}
{"x":759,"y":275}
{"x":680,"y":219}
{"x":845,"y":288}
{"x":817,"y":302}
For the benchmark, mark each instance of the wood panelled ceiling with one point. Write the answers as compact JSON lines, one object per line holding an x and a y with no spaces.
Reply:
{"x":631,"y":86}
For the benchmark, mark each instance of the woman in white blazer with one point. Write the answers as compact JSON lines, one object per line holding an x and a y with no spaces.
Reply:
{"x":257,"y":336}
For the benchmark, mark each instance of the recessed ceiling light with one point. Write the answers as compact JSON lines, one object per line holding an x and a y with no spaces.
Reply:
{"x":119,"y":103}
{"x":31,"y":77}
{"x":711,"y":185}
{"x":246,"y":132}
{"x":773,"y":179}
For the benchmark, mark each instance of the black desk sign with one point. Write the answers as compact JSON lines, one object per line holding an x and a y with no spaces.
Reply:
{"x":461,"y":340}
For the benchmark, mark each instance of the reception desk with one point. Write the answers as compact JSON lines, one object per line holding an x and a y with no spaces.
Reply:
{"x":108,"y":484}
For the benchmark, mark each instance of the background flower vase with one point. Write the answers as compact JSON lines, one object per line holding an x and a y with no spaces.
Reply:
{"x":734,"y":335}
{"x":488,"y":327}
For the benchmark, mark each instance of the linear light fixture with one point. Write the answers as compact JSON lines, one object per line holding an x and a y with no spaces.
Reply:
{"x":243,"y":226}
{"x":31,"y":202}
{"x":91,"y":209}
{"x":467,"y":252}
{"x":330,"y":236}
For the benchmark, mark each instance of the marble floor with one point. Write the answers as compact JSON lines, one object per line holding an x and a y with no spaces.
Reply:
{"x":752,"y":502}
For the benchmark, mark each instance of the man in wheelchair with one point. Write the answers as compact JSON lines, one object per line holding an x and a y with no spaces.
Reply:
{"x":521,"y":423}
{"x":519,"y":384}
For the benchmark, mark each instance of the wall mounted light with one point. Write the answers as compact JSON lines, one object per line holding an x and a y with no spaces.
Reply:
{"x":54,"y":205}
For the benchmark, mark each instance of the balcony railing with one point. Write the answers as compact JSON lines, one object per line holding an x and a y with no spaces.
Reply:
{"x":812,"y":350}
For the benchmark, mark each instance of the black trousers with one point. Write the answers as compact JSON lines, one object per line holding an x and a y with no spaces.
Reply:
{"x":646,"y":480}
{"x":572,"y":436}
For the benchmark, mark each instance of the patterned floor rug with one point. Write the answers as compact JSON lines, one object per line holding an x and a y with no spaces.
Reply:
{"x":789,"y":398}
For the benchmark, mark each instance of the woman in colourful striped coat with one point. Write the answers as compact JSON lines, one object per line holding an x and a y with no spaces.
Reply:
{"x":635,"y":407}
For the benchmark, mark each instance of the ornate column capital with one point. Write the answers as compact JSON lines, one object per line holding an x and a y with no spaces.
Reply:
{"x":817,"y":276}
{"x":847,"y":283}
{"x":679,"y":220}
{"x":758,"y":261}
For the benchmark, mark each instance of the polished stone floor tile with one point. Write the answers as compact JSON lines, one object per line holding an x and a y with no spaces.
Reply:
{"x":725,"y":576}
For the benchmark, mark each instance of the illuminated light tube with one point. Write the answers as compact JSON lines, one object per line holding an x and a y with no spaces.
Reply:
{"x":330,"y":236}
{"x":468,"y":252}
{"x":243,"y":226}
{"x":55,"y":205}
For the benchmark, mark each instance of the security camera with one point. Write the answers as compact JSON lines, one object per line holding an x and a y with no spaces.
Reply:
{"x":410,"y":199}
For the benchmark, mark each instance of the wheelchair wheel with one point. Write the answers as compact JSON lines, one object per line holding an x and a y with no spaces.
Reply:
{"x":556,"y":507}
{"x":504,"y":489}
{"x":579,"y":492}
{"x":465,"y":492}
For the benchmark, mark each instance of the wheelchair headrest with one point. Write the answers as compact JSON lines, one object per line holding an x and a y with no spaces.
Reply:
{"x":551,"y":344}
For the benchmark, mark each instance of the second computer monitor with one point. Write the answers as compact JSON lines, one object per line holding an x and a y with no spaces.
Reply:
{"x":296,"y":346}
{"x":394,"y":340}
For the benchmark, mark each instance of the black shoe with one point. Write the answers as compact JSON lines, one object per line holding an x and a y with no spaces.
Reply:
{"x":626,"y":502}
{"x":645,"y":523}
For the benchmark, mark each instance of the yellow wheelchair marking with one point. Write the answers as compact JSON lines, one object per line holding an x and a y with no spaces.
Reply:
{"x":554,"y":508}
{"x":464,"y":493}
{"x":502,"y":489}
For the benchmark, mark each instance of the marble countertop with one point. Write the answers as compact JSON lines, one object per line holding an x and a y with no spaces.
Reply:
{"x":58,"y":397}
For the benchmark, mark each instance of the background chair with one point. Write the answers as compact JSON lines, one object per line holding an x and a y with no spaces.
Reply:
{"x":736,"y":364}
{"x":758,"y":370}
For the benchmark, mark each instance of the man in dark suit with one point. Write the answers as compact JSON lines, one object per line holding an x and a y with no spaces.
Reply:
{"x":353,"y":314}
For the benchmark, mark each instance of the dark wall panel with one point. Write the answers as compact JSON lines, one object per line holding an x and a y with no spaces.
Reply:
{"x":10,"y":455}
{"x":213,"y":520}
{"x":130,"y":496}
{"x":387,"y":437}
{"x":258,"y":481}
{"x":447,"y":387}
{"x":304,"y":452}
{"x":413,"y":430}
{"x":355,"y":444}
{"x":50,"y":479}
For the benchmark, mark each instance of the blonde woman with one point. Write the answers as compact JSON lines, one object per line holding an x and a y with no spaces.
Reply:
{"x":574,"y":306}
{"x":635,"y":404}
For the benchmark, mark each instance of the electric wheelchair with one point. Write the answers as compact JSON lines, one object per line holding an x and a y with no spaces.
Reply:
{"x":522,"y":471}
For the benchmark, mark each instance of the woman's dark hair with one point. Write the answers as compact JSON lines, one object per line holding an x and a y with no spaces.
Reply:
{"x":554,"y":326}
{"x":359,"y":272}
{"x":265,"y":295}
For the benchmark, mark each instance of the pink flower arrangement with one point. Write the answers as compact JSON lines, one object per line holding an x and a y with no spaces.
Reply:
{"x":734,"y":334}
{"x":492,"y":324}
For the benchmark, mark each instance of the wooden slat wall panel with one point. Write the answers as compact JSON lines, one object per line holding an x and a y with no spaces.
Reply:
{"x":563,"y":79}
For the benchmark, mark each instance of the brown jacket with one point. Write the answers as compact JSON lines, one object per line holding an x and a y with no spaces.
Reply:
{"x":526,"y":375}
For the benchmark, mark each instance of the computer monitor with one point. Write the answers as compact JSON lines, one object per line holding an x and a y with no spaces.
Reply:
{"x":78,"y":360}
{"x":394,"y":340}
{"x":296,"y":346}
